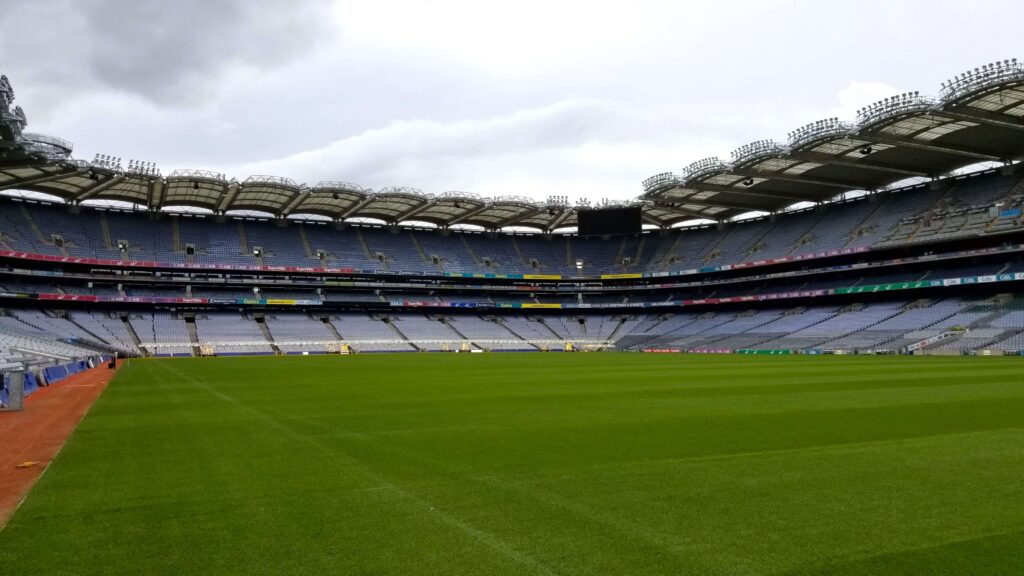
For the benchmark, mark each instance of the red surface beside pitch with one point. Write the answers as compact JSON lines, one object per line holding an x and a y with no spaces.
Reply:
{"x":37,"y":433}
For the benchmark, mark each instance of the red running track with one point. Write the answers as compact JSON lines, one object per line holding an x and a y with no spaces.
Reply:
{"x":38,"y":432}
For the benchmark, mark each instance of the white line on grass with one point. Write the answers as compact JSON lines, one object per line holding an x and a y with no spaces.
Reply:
{"x":492,"y":541}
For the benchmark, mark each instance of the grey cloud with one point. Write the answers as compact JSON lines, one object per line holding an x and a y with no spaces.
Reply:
{"x":170,"y":53}
{"x":434,"y":95}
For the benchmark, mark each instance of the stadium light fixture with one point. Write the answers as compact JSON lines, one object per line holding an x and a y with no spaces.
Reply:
{"x":893,"y":106}
{"x":829,"y":127}
{"x":980,"y":78}
{"x":663,"y":180}
{"x":703,"y":167}
{"x":758,"y":149}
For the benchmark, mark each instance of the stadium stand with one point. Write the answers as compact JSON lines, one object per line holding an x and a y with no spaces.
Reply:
{"x":842,"y":240}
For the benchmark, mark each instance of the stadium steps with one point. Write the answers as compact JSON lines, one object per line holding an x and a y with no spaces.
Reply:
{"x":946,"y":338}
{"x":176,"y":235}
{"x":621,"y":254}
{"x":243,"y":242}
{"x":549,"y":329}
{"x":568,"y":253}
{"x":399,"y":333}
{"x":868,"y":327}
{"x":514,"y":333}
{"x":331,"y":328}
{"x":1004,"y":336}
{"x":1016,"y":191}
{"x":419,"y":250}
{"x":108,"y":243}
{"x":262,"y":323}
{"x":32,"y":224}
{"x":666,"y":260}
{"x":658,"y":340}
{"x":680,"y":340}
{"x":97,"y":346}
{"x":934,"y":212}
{"x":469,"y":250}
{"x":131,"y":333}
{"x":752,"y":330}
{"x":98,"y":338}
{"x":713,"y":253}
{"x":615,"y":332}
{"x":519,"y":254}
{"x":925,"y":327}
{"x":758,"y":244}
{"x":807,"y":238}
{"x":25,"y":322}
{"x":784,"y":336}
{"x":306,"y":246}
{"x":444,"y":321}
{"x":638,"y":255}
{"x":362,"y":244}
{"x":862,"y":227}
{"x":984,"y":321}
{"x":193,"y":335}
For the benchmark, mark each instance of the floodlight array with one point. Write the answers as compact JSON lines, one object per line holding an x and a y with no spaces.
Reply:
{"x":143,"y":168}
{"x":6,"y":89}
{"x":893,"y":106}
{"x":461,"y":195}
{"x":335,"y":185}
{"x":107,"y":161}
{"x":192,"y":173}
{"x":660,"y":181}
{"x":980,"y":78}
{"x":703,"y":167}
{"x":817,"y":130}
{"x":557,"y":202}
{"x":405,"y":190}
{"x":756,"y":149}
{"x":279,"y":180}
{"x":512,"y":199}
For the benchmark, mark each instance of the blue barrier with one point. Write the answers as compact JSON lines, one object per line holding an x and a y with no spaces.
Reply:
{"x":4,"y":395}
{"x":54,"y":374}
{"x":31,"y":384}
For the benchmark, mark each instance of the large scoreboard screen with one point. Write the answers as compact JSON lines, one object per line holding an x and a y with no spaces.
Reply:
{"x":609,"y":221}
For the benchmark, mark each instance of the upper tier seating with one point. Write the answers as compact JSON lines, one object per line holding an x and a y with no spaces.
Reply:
{"x":970,"y":205}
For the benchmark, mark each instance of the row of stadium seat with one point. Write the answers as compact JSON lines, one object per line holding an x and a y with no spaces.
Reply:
{"x":712,"y":289}
{"x":34,"y":336}
{"x":978,"y":204}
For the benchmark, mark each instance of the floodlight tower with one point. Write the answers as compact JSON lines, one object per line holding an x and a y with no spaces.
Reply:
{"x":19,"y":147}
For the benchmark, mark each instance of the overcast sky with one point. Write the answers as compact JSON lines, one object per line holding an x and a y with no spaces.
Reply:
{"x":532,"y":98}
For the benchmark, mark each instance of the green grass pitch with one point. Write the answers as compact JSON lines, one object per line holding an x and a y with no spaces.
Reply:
{"x":499,"y":464}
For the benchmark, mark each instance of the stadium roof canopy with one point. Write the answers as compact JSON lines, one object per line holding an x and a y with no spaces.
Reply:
{"x":978,"y":117}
